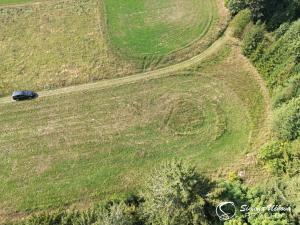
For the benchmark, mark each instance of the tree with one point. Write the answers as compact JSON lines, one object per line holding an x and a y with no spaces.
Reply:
{"x":175,"y":195}
{"x":235,"y":6}
{"x":257,"y":8}
{"x":286,"y":121}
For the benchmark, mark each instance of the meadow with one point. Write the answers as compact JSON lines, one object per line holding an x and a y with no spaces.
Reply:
{"x":55,"y":44}
{"x":161,"y":32}
{"x":142,"y":28}
{"x":51,"y":44}
{"x":101,"y":143}
{"x":78,"y":147}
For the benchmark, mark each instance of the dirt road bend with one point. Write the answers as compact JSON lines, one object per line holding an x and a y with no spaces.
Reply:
{"x":155,"y":74}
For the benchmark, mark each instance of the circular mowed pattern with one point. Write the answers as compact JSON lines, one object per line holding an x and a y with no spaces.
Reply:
{"x":140,"y":28}
{"x":104,"y":142}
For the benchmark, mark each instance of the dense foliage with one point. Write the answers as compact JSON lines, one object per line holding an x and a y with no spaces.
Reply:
{"x":239,"y":22}
{"x":175,"y":195}
{"x":252,"y":40}
{"x":286,"y":121}
{"x":273,"y":12}
{"x":111,"y":214}
{"x":255,"y":198}
{"x":286,"y":92}
{"x":272,"y":42}
{"x":281,"y":158}
{"x":235,"y":6}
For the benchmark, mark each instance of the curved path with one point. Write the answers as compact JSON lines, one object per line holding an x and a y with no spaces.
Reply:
{"x":163,"y":72}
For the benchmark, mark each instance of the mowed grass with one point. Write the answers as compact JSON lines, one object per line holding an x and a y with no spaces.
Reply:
{"x":87,"y":146}
{"x":6,"y":2}
{"x":152,"y":28}
{"x":57,"y":43}
{"x":54,"y":44}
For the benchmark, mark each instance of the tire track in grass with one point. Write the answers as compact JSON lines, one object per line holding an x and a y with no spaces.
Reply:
{"x":155,"y":74}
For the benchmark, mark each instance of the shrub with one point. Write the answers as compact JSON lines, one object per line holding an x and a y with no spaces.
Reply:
{"x":281,"y":30}
{"x":174,"y":195}
{"x":240,"y":194}
{"x":252,"y":39}
{"x":240,"y":21}
{"x":257,"y":8}
{"x":235,"y":6}
{"x":114,"y":214}
{"x":63,"y":218}
{"x":280,"y":158}
{"x":286,"y":121}
{"x":117,"y":214}
{"x":285,"y":93}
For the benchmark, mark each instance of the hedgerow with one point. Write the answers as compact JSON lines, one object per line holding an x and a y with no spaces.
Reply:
{"x":279,"y":60}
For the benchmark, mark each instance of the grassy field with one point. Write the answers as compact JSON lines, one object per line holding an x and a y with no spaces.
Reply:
{"x":7,"y":2}
{"x":55,"y":44}
{"x":147,"y":27}
{"x":59,"y":43}
{"x":99,"y":143}
{"x":84,"y":146}
{"x":155,"y":33}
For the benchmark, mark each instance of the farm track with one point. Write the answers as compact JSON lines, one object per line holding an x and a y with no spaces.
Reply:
{"x":155,"y":74}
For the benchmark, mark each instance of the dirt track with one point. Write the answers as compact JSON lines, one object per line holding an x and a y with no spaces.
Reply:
{"x":167,"y":71}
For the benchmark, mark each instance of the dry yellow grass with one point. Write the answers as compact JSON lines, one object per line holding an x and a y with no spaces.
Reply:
{"x":54,"y":44}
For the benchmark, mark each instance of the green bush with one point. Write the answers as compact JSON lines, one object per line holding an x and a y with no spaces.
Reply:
{"x":240,"y":194}
{"x":117,"y":214}
{"x":63,"y":218}
{"x":283,"y":94}
{"x":252,"y":39}
{"x":286,"y":121}
{"x":174,"y":195}
{"x":240,"y":21}
{"x":113,"y":214}
{"x":281,"y":30}
{"x":257,"y":8}
{"x":280,"y":158}
{"x":235,"y":6}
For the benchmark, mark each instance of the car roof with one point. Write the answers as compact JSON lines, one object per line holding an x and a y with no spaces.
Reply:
{"x":21,"y":93}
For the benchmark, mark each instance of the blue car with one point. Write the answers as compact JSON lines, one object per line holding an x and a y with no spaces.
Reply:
{"x":23,"y":95}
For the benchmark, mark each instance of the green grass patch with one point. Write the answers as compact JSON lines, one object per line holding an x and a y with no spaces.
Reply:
{"x":146,"y":28}
{"x":6,"y":2}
